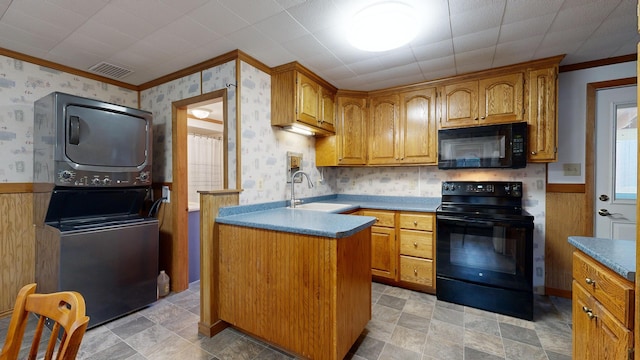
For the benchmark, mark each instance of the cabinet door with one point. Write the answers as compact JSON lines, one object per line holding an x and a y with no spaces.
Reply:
{"x":614,"y":339}
{"x":351,"y":131}
{"x":501,"y":99}
{"x":383,"y":130}
{"x":543,"y":124}
{"x":418,"y":127}
{"x":460,"y":104}
{"x":308,"y":95}
{"x":327,"y":118}
{"x":584,"y":343}
{"x":383,"y":252}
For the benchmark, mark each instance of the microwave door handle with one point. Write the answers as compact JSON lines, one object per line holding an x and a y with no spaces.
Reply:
{"x":74,"y":130}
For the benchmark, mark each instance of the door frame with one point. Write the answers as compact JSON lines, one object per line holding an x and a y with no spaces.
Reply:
{"x":590,"y":143}
{"x":179,"y":199}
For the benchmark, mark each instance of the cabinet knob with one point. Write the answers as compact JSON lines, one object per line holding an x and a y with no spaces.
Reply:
{"x":415,"y":271}
{"x":586,"y":309}
{"x":533,"y":153}
{"x":590,"y":315}
{"x":476,"y":118}
{"x":415,"y":245}
{"x":415,"y":223}
{"x":377,"y":219}
{"x":590,"y":281}
{"x":482,"y":117}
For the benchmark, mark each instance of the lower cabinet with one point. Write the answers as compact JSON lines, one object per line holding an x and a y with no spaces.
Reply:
{"x":384,"y":262}
{"x":403,"y":249}
{"x":603,"y":304}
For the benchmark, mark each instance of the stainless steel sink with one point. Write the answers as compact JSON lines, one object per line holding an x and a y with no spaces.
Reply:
{"x":323,"y":206}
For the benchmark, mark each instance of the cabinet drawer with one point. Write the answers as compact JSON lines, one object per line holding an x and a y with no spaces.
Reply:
{"x":609,"y":288}
{"x":416,"y":243}
{"x":384,"y":218}
{"x":415,"y":270}
{"x":416,"y":221}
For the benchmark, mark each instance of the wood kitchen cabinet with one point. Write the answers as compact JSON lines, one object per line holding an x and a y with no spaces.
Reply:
{"x":403,"y":128}
{"x":542,"y":117}
{"x":403,"y":249}
{"x":602,"y":311}
{"x":417,"y":249}
{"x":490,"y":100}
{"x":300,"y":97}
{"x":384,"y":253}
{"x":347,"y":146}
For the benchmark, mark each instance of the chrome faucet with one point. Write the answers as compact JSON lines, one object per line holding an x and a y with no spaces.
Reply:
{"x":294,"y":202}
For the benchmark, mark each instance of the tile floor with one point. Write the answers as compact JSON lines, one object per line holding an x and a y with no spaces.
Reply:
{"x":405,"y":325}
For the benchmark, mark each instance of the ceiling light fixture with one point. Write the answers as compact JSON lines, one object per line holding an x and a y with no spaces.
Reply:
{"x":383,"y":26}
{"x":199,"y":113}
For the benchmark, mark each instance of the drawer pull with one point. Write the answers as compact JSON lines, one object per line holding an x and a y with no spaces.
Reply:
{"x":590,"y":281}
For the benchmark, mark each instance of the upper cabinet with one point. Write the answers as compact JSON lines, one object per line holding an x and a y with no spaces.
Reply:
{"x":542,"y":119}
{"x":491,"y":100}
{"x":300,"y":97}
{"x":348,"y":146}
{"x":402,"y":127}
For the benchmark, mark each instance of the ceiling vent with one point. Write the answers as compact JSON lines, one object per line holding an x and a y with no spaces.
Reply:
{"x":110,"y":70}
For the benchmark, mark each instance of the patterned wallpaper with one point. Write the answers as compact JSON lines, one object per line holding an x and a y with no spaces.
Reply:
{"x":263,"y":147}
{"x":21,"y":84}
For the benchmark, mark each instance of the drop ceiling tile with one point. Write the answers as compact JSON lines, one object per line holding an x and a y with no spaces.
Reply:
{"x":527,"y":28}
{"x":477,"y":40}
{"x":252,"y":11}
{"x":65,"y":53}
{"x":446,"y":63}
{"x":33,"y":25}
{"x":157,"y":14}
{"x":281,"y":27}
{"x":189,"y":30}
{"x":434,"y":50}
{"x":475,"y":60}
{"x":315,"y":15}
{"x":512,"y":52}
{"x":570,"y":38}
{"x":290,"y":3}
{"x":183,"y":7}
{"x":304,"y":47}
{"x":371,"y":65}
{"x":577,"y":16}
{"x":439,"y":74}
{"x":129,"y":23}
{"x":517,"y":11}
{"x":218,"y":18}
{"x":274,"y":56}
{"x":485,"y":15}
{"x":103,"y":34}
{"x":398,"y":57}
{"x":30,"y":40}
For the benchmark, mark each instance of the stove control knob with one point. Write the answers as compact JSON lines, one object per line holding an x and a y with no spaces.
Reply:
{"x":144,"y":176}
{"x":66,"y":175}
{"x":106,"y":181}
{"x":95,"y":181}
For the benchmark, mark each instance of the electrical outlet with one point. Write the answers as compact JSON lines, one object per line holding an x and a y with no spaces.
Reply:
{"x":571,"y":169}
{"x":166,"y":193}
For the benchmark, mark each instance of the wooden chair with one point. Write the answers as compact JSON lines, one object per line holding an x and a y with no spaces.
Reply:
{"x":66,"y":309}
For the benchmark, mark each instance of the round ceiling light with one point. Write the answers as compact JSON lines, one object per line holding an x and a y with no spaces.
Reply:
{"x":199,"y":113}
{"x":383,"y":26}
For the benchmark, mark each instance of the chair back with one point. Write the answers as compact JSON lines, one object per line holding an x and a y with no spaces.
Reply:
{"x":65,"y":309}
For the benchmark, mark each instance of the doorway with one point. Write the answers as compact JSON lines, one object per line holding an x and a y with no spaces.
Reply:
{"x":616,"y":150}
{"x":181,"y":113}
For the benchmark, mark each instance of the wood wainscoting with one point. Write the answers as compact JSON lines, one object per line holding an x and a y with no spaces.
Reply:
{"x":17,"y":242}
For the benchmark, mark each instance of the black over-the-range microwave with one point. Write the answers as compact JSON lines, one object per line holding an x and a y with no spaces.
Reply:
{"x":490,"y":146}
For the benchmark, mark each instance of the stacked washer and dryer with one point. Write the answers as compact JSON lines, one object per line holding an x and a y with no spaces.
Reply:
{"x":92,"y":179}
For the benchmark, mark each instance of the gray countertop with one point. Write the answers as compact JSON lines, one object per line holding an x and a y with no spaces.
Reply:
{"x":277,"y":216}
{"x":617,"y":255}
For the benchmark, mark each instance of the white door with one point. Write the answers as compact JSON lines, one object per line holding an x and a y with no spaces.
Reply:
{"x":616,"y":163}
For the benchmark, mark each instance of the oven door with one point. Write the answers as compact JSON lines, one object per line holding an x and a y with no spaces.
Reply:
{"x":483,"y":251}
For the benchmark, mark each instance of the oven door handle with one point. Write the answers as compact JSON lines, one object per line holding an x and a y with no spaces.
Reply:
{"x":464,"y":220}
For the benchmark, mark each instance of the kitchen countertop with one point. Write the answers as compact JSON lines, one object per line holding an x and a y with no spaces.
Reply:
{"x":617,"y":255}
{"x":277,"y":216}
